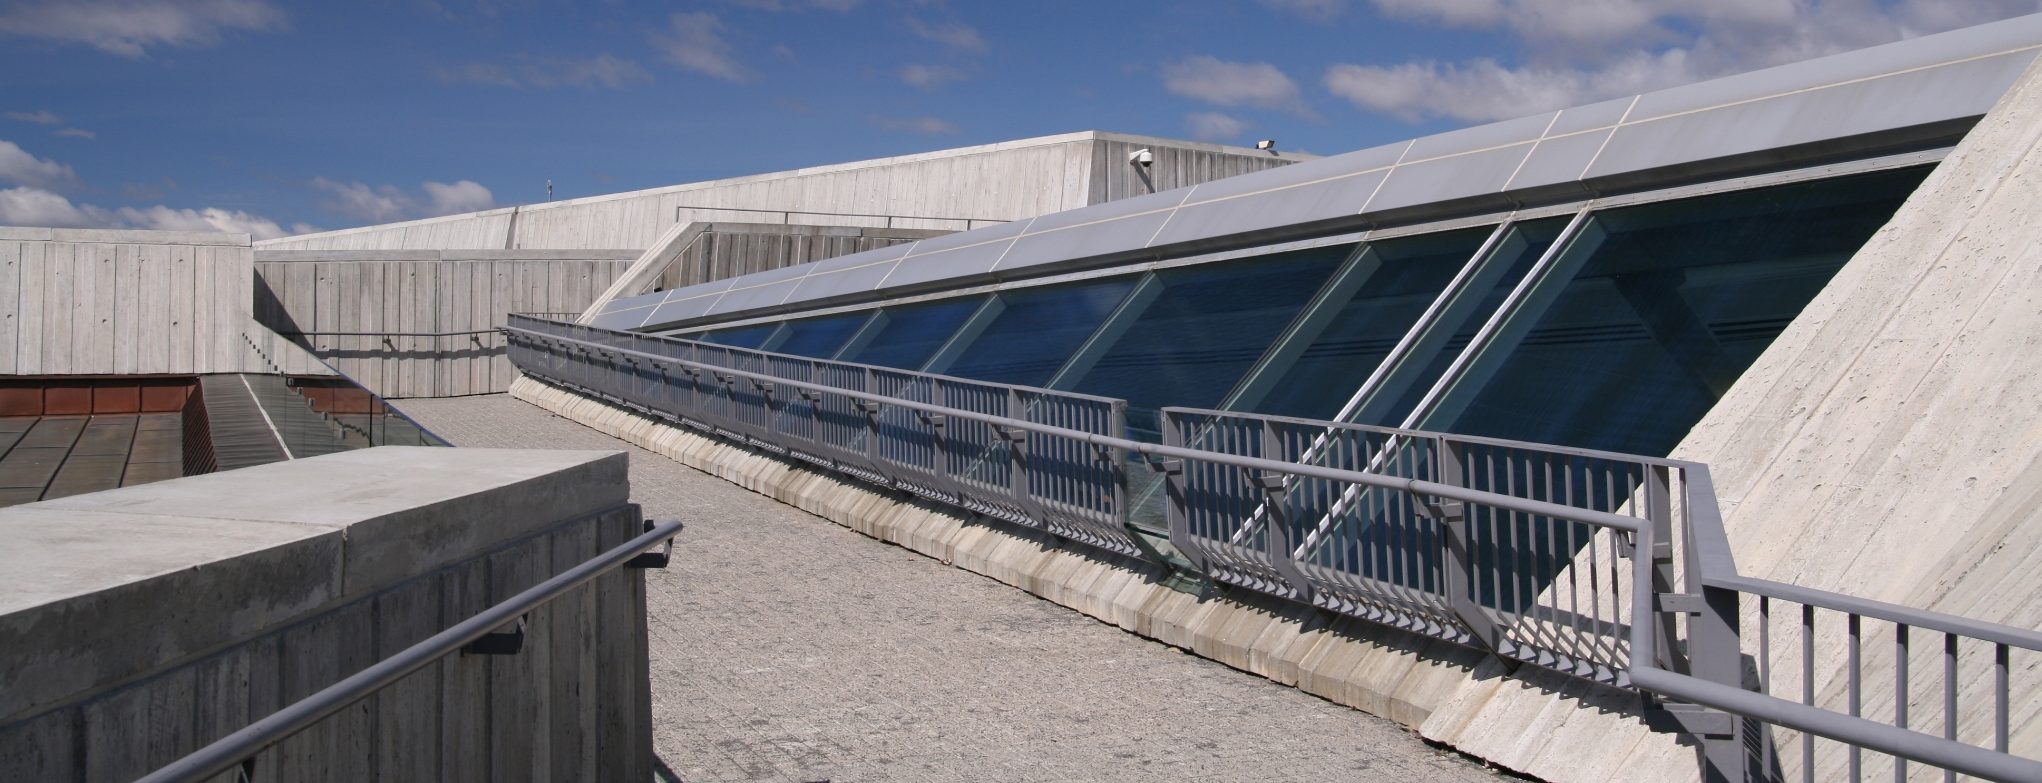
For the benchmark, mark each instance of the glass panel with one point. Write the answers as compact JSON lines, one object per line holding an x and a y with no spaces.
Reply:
{"x":908,"y":336}
{"x":1366,"y":311}
{"x":821,"y":337}
{"x":1036,"y":330}
{"x":741,"y":337}
{"x":1648,"y":316}
{"x":1405,"y":382}
{"x":1196,"y":329}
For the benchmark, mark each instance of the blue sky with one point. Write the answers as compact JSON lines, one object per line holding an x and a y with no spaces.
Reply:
{"x":275,"y":117}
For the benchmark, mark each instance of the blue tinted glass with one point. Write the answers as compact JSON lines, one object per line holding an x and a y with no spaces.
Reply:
{"x":741,"y":337}
{"x":1367,"y":310}
{"x":1200,"y":329}
{"x":820,"y":337}
{"x":908,"y":336}
{"x":1435,"y":348}
{"x":1650,"y":314}
{"x":1035,"y":331}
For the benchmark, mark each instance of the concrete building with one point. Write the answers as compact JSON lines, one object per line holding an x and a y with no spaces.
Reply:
{"x":1684,"y":431}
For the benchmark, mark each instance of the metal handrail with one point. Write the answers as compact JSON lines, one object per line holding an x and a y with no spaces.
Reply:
{"x":390,"y":334}
{"x":233,"y":749}
{"x":1428,"y":488}
{"x":1712,"y":677}
{"x":787,"y":215}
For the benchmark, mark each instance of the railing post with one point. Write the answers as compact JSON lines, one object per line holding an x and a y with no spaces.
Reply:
{"x":1176,"y":511}
{"x":1017,"y":457}
{"x":1714,"y":650}
{"x":1276,"y":539}
{"x":1458,"y":545}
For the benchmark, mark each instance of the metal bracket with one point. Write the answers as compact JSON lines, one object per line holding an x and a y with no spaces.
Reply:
{"x":1011,"y":434}
{"x":868,"y":407}
{"x":652,"y":559}
{"x":1167,"y":467}
{"x":1102,"y":452}
{"x":499,"y":642}
{"x":1692,"y":719}
{"x":764,"y":387}
{"x":811,"y":396}
{"x":1439,"y":508}
{"x":1681,"y":603}
{"x":1272,"y":483}
{"x":932,"y":419}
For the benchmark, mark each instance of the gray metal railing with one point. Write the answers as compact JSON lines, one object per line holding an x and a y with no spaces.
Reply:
{"x":787,"y":216}
{"x":239,"y":748}
{"x":1610,"y":567}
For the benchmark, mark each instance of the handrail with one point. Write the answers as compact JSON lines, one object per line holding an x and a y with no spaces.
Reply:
{"x":223,"y":754}
{"x":1432,"y":489}
{"x":788,"y":214}
{"x":390,"y":334}
{"x":1699,"y":662}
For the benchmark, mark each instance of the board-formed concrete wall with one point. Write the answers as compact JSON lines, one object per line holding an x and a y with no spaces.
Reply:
{"x":78,"y":301}
{"x":947,"y":190}
{"x":137,"y":625}
{"x":422,"y":292}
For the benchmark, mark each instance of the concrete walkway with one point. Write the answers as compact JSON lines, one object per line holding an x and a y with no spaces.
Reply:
{"x":785,"y":647}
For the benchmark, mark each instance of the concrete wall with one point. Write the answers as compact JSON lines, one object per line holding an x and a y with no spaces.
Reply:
{"x":422,"y":292}
{"x":138,"y":624}
{"x":97,"y":302}
{"x":727,"y":250}
{"x":1886,"y":444}
{"x":959,"y":188}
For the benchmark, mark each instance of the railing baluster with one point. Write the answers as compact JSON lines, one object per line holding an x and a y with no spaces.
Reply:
{"x":1999,"y":697}
{"x":1851,"y":667}
{"x":1807,"y":688}
{"x":1900,"y":694}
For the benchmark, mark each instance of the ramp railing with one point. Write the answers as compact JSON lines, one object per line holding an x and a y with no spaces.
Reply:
{"x":1609,"y":567}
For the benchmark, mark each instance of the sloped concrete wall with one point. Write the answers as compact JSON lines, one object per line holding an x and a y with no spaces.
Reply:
{"x":137,"y":625}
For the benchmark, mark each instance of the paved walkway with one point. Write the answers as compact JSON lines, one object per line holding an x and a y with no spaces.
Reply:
{"x":785,"y":647}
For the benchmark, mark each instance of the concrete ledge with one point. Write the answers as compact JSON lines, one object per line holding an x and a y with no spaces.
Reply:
{"x":100,"y":588}
{"x":1448,"y":693}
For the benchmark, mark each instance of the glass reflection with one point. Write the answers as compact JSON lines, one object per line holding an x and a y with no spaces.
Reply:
{"x":905,"y":337}
{"x":1648,"y":316}
{"x":1031,"y":331}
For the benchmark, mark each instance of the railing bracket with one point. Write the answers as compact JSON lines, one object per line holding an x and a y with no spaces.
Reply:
{"x":499,"y":642}
{"x":654,"y":558}
{"x":1691,"y":719}
{"x":1683,"y":603}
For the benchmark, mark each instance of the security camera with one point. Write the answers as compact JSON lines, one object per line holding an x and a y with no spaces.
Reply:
{"x":1142,"y":158}
{"x":1266,"y":144}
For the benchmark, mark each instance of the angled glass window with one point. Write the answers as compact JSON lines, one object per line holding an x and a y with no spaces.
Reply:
{"x":905,"y":337}
{"x":752,"y":336}
{"x":1373,"y":300}
{"x":1432,"y":349}
{"x":820,"y":337}
{"x":1026,"y":334}
{"x":1648,"y":316}
{"x":1185,"y":336}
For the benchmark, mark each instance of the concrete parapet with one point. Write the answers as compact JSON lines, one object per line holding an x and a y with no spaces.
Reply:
{"x":1446,"y":692}
{"x":138,"y":624}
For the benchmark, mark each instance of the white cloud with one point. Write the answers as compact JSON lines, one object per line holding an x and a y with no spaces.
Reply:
{"x":930,"y":76}
{"x":75,"y":133}
{"x":128,"y":28}
{"x":386,"y":203}
{"x":1225,"y":83}
{"x":601,"y":70}
{"x":20,"y":168}
{"x":39,"y":117}
{"x":1314,"y":10}
{"x":1214,"y":126}
{"x":956,"y":35}
{"x":696,"y":43}
{"x":462,"y":196}
{"x":1580,"y":51}
{"x":26,"y":206}
{"x":925,"y":125}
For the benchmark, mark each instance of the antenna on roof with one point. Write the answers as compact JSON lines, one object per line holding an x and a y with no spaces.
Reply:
{"x":549,"y":190}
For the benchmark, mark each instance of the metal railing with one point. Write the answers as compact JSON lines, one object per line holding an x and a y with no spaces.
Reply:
{"x":787,"y":216}
{"x":359,"y":417}
{"x":239,"y":748}
{"x":956,"y":441}
{"x":1610,"y":567}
